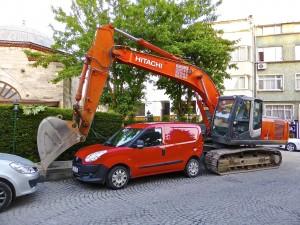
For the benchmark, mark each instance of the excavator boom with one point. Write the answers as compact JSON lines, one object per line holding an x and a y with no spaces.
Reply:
{"x":94,"y":74}
{"x":233,"y":120}
{"x":55,"y":135}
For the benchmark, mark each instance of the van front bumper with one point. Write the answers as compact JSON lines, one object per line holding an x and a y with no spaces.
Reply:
{"x":89,"y":173}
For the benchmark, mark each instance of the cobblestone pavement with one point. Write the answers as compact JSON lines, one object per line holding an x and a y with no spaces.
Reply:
{"x":263,"y":197}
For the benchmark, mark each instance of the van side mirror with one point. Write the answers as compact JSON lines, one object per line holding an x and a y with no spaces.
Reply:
{"x":140,"y":144}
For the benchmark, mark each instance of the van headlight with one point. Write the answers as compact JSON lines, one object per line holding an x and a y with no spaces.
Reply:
{"x":21,"y":168}
{"x":94,"y":156}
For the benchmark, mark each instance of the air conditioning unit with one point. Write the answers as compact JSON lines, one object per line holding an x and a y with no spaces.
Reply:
{"x":261,"y":66}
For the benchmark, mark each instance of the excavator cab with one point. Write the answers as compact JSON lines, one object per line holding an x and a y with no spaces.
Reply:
{"x":237,"y":120}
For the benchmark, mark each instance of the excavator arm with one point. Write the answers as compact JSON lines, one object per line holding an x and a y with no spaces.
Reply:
{"x":56,"y":135}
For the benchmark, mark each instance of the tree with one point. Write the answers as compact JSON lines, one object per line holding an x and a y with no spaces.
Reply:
{"x":181,"y":27}
{"x":124,"y":88}
{"x":184,"y":29}
{"x":202,"y":46}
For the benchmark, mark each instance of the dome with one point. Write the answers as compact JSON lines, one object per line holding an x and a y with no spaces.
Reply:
{"x":24,"y":34}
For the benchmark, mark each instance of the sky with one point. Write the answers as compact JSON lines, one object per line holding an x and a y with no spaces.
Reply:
{"x":37,"y":14}
{"x":263,"y":11}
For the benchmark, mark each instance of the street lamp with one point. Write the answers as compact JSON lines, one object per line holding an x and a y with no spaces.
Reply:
{"x":15,"y":111}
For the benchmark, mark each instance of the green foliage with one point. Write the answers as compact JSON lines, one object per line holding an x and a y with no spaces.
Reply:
{"x":180,"y":27}
{"x":33,"y":109}
{"x":129,"y":121}
{"x":165,"y":118}
{"x":104,"y":125}
{"x":196,"y":42}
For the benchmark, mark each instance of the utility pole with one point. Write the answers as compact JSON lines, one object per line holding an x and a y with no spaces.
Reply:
{"x":15,"y":117}
{"x":252,"y":27}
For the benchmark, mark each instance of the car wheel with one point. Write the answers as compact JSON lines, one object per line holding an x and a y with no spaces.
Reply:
{"x":192,"y":168}
{"x":5,"y":195}
{"x":291,"y":147}
{"x":117,"y":177}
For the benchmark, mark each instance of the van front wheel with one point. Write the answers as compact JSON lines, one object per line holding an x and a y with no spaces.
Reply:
{"x":192,"y":168}
{"x":117,"y":177}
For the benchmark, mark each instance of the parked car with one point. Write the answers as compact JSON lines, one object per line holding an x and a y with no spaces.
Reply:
{"x":293,"y":144}
{"x":18,"y":176}
{"x":140,"y":150}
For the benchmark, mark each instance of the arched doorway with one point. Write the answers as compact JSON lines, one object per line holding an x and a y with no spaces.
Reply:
{"x":8,"y":92}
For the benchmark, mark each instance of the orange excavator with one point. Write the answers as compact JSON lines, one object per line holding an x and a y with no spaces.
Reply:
{"x":235,"y":129}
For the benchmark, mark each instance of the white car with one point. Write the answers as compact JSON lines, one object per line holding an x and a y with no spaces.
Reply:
{"x":18,"y":176}
{"x":293,"y":145}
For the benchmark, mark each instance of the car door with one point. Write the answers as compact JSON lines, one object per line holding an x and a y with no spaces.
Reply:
{"x":150,"y":158}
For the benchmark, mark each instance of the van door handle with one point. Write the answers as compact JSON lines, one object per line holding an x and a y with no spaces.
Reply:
{"x":163,"y":151}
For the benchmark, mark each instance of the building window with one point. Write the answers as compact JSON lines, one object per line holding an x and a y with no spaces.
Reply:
{"x":141,"y":110}
{"x":237,"y":83}
{"x":280,"y":111}
{"x":297,"y":81}
{"x":269,"y":54}
{"x":297,"y":28}
{"x":269,"y":30}
{"x":297,"y":52}
{"x":240,"y":54}
{"x":8,"y":92}
{"x":165,"y":108}
{"x":270,"y":83}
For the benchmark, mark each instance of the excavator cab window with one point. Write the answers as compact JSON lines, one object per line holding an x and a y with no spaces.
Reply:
{"x":257,"y":115}
{"x":221,"y":122}
{"x":242,"y":118}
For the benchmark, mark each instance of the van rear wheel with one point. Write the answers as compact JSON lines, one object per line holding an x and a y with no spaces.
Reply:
{"x":192,"y":168}
{"x":117,"y":177}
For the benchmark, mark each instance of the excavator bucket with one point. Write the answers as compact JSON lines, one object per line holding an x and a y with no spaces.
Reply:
{"x":54,"y":137}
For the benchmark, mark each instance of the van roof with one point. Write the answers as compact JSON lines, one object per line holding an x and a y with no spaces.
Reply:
{"x":156,"y":124}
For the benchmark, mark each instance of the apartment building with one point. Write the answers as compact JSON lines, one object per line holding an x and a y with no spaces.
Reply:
{"x":278,"y":69}
{"x":242,"y":32}
{"x":267,"y":58}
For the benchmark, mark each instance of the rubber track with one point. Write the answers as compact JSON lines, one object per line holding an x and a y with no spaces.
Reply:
{"x":212,"y":159}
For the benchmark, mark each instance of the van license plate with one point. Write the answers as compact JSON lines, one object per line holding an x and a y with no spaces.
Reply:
{"x":75,"y":169}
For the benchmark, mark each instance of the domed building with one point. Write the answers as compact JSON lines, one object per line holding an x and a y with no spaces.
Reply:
{"x":19,"y":80}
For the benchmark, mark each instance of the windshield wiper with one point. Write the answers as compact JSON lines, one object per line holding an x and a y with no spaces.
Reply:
{"x":108,"y":144}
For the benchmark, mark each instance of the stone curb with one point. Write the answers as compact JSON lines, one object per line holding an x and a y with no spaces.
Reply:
{"x":57,"y":170}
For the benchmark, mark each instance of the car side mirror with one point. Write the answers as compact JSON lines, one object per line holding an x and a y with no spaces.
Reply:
{"x":140,"y":144}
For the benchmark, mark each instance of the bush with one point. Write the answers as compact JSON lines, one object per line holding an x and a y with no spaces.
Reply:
{"x":165,"y":118}
{"x":104,"y":125}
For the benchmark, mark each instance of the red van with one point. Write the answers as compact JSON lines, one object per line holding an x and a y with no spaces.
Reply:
{"x":140,"y":150}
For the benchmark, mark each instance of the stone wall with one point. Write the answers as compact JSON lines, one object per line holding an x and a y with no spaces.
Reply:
{"x":30,"y":82}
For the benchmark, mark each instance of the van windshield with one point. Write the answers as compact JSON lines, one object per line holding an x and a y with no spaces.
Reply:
{"x":123,"y":137}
